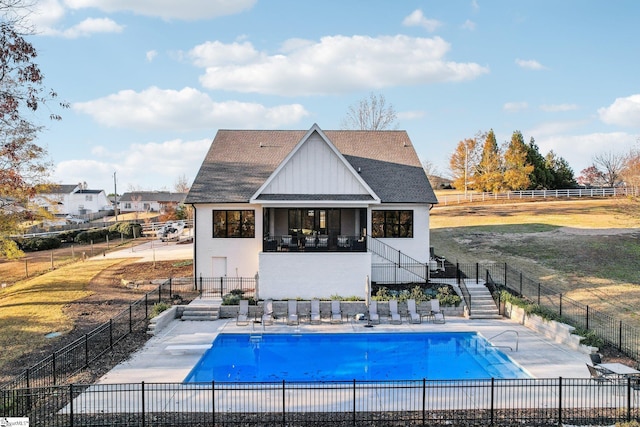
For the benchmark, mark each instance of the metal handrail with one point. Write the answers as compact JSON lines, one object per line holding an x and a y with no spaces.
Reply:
{"x":505,"y":346}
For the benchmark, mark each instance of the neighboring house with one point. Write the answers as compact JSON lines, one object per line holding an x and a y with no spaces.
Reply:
{"x":303,"y":210}
{"x":149,"y":201}
{"x":73,"y":200}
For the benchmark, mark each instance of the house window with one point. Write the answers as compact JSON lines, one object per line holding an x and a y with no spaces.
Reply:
{"x":127,"y":205}
{"x":146,"y":206}
{"x":88,"y":197}
{"x":228,"y":224}
{"x":392,"y":223}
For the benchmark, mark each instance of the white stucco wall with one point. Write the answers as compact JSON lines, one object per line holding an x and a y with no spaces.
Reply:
{"x":241,"y":255}
{"x":313,"y":275}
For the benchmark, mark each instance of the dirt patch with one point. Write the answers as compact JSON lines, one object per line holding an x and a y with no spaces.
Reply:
{"x":109,"y":297}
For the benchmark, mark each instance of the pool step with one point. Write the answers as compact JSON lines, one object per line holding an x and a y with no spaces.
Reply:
{"x":201,"y":312}
{"x":482,"y":304}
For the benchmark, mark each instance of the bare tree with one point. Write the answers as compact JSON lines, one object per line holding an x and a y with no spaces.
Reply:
{"x":370,"y":113}
{"x":182,"y":184}
{"x":631,"y":172}
{"x":611,"y":166}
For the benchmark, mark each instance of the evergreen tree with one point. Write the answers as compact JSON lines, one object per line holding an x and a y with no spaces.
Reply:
{"x":516,"y":168}
{"x":561,"y":172}
{"x":540,"y":178}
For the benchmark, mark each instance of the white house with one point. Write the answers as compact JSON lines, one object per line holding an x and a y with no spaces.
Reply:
{"x":73,"y":199}
{"x":311,"y":213}
{"x":149,"y":201}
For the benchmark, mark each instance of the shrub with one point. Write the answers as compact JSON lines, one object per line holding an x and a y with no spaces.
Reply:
{"x":92,"y":235}
{"x":158,"y":308}
{"x":127,"y":229}
{"x":446,"y":297}
{"x":234,"y":297}
{"x":34,"y":244}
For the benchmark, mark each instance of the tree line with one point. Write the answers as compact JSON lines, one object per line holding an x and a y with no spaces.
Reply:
{"x":481,"y":164}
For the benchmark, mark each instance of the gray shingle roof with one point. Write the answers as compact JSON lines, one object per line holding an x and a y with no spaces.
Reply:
{"x":240,"y":161}
{"x":152,"y":196}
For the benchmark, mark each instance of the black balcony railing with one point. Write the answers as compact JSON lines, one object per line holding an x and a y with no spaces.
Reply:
{"x":315,"y":243}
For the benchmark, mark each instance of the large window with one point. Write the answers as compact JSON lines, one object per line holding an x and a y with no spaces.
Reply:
{"x":392,"y":223}
{"x":234,"y":224}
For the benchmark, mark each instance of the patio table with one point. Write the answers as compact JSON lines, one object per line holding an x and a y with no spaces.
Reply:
{"x":618,"y":369}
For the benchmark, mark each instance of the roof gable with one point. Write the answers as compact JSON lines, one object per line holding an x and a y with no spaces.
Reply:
{"x":315,"y":167}
{"x":240,"y":162}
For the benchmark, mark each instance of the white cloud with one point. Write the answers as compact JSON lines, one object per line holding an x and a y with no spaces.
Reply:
{"x":513,"y":107}
{"x":215,"y":54}
{"x":151,"y":55}
{"x":335,"y":64}
{"x":88,"y":27}
{"x":186,"y":109}
{"x":168,"y":9}
{"x":530,"y":64}
{"x":623,"y":112}
{"x":141,"y":165}
{"x":410,"y":115}
{"x":579,"y":150}
{"x":555,"y":128}
{"x":474,"y":5}
{"x":469,"y":25}
{"x":552,"y":108}
{"x":417,"y":19}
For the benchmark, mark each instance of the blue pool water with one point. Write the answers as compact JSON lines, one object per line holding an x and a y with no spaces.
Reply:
{"x":336,"y":357}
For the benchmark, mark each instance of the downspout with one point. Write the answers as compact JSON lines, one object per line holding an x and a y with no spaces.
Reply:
{"x":195,"y":278}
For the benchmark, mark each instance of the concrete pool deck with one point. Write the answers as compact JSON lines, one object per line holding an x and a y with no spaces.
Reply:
{"x":170,"y":355}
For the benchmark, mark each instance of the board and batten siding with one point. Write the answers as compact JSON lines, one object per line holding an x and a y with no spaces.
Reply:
{"x":315,"y":169}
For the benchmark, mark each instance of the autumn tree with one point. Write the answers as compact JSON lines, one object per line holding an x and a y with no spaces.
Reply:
{"x":631,"y":170}
{"x":489,"y":172}
{"x":463,"y":163}
{"x":24,"y":167}
{"x":516,"y":168}
{"x":591,"y":176}
{"x":540,"y":178}
{"x":611,"y":165}
{"x":372,"y":113}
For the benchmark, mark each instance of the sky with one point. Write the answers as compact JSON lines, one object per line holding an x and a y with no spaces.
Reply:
{"x":150,"y":82}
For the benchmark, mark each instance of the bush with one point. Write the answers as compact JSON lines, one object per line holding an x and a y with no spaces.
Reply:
{"x":127,"y":229}
{"x":448,"y":298}
{"x":92,"y":235}
{"x":69,"y":236}
{"x":234,"y":297}
{"x":158,"y":308}
{"x":34,"y":244}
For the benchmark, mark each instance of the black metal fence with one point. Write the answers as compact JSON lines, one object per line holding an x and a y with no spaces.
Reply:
{"x":612,"y":331}
{"x":209,"y":287}
{"x":494,"y":402}
{"x":61,"y":365}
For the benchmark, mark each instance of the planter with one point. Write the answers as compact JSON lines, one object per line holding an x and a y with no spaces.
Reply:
{"x":556,"y":331}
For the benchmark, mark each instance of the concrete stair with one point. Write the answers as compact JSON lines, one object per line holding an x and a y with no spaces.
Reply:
{"x":201,"y":312}
{"x":482,"y":304}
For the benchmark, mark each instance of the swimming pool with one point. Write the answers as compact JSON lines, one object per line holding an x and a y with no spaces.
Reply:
{"x":337,"y":357}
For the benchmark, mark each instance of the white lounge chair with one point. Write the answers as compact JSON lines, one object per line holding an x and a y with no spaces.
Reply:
{"x":292,"y":312}
{"x":336,"y":312}
{"x":267,"y":314}
{"x":243,"y":313}
{"x":374,"y":317}
{"x":394,"y":316}
{"x":436,"y":313}
{"x":314,"y":316}
{"x":414,"y":317}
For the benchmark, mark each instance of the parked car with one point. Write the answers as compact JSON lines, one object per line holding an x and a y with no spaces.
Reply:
{"x":75,"y":220}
